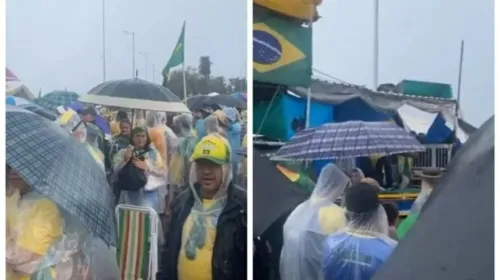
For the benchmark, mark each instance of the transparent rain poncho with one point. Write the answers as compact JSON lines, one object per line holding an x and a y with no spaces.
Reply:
{"x":202,"y":221}
{"x":87,"y":134}
{"x":45,"y":242}
{"x":212,"y":127}
{"x":180,"y":160}
{"x":357,"y":251}
{"x":156,"y":131}
{"x":309,"y":225}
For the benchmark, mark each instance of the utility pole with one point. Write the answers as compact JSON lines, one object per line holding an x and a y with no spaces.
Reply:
{"x":133,"y":51}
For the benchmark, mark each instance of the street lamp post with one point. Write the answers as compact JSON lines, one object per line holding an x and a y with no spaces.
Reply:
{"x":103,"y":41}
{"x":133,"y":50}
{"x":145,"y":64}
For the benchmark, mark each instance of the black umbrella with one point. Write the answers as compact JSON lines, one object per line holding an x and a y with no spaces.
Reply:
{"x":196,"y":102}
{"x":226,"y":100}
{"x":274,"y":194}
{"x":135,"y":94}
{"x":454,"y":235}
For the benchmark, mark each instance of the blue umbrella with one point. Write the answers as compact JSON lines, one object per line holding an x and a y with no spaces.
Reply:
{"x":99,"y":120}
{"x":349,"y":140}
{"x":59,"y":167}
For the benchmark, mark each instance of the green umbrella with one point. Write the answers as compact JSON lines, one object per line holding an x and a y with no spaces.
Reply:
{"x":406,"y":225}
{"x":52,"y":100}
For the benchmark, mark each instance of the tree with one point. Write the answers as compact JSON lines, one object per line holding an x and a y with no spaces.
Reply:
{"x":204,"y":68}
{"x":197,"y":83}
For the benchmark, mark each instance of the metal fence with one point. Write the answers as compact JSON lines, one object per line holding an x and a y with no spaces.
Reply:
{"x":435,"y":156}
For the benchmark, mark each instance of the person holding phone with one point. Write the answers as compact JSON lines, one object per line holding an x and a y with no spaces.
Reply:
{"x":139,"y":171}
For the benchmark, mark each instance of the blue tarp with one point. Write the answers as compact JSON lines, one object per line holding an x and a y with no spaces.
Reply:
{"x":439,"y":132}
{"x":357,"y":110}
{"x":292,"y":107}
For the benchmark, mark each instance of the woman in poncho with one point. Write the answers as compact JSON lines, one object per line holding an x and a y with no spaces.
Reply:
{"x":146,"y":158}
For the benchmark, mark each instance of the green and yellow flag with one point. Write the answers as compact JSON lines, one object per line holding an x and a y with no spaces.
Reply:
{"x":177,"y":57}
{"x":282,"y":52}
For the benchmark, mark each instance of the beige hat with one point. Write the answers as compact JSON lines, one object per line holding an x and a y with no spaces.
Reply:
{"x":429,"y":173}
{"x":221,"y":116}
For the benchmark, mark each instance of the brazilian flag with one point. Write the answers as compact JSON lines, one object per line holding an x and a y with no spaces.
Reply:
{"x":282,"y":51}
{"x":177,"y":57}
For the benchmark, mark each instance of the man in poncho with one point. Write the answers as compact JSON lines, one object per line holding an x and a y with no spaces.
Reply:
{"x":309,"y":225}
{"x":207,"y":230}
{"x":357,"y":251}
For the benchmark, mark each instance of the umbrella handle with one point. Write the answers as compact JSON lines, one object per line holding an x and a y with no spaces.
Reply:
{"x":76,"y":126}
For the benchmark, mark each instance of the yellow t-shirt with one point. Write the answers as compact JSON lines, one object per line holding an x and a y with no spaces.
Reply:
{"x":114,"y":126}
{"x":331,"y":218}
{"x":201,"y":267}
{"x":38,"y":225}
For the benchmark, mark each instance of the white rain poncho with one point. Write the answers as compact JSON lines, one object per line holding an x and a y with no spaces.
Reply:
{"x":66,"y":249}
{"x":357,"y":251}
{"x":203,"y":217}
{"x":180,"y":158}
{"x":309,"y":225}
{"x":212,"y":125}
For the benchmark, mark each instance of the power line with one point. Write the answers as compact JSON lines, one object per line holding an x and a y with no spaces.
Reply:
{"x":332,"y":77}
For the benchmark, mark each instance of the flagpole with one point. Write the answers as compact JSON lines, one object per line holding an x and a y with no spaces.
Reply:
{"x":184,"y":63}
{"x":103,"y":41}
{"x":308,"y":104}
{"x":375,"y":46}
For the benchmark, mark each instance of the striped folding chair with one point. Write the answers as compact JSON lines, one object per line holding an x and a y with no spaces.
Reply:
{"x":137,"y":248}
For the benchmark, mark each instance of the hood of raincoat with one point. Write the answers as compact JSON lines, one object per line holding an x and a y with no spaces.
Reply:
{"x":309,"y":225}
{"x":183,"y":123}
{"x":211,"y":124}
{"x":357,"y":251}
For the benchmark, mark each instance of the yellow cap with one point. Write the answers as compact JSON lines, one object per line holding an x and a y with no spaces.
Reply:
{"x":213,"y":148}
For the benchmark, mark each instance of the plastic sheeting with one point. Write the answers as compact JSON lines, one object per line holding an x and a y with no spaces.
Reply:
{"x":309,"y":225}
{"x":35,"y":225}
{"x":334,"y":93}
{"x":453,"y":236}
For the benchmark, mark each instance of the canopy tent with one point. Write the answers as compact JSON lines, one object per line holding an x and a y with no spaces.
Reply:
{"x":453,"y":236}
{"x":281,"y":107}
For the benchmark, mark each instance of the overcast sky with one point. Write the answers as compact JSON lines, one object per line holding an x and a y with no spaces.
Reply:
{"x":53,"y":44}
{"x":419,"y":40}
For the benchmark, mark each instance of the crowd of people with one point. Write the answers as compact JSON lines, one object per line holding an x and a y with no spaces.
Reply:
{"x":187,"y":168}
